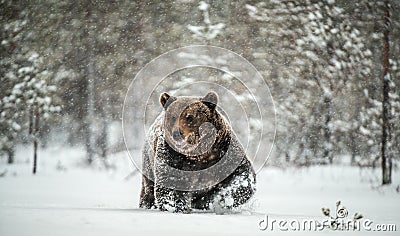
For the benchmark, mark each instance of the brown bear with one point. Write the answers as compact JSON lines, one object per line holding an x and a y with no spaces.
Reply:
{"x":191,"y":135}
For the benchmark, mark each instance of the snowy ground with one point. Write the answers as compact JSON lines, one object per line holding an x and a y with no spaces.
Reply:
{"x":65,"y":198}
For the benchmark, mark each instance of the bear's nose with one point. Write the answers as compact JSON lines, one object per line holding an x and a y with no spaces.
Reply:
{"x":177,"y":135}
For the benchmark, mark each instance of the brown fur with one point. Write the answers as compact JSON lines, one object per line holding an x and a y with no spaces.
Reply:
{"x":187,"y":126}
{"x":204,"y":136}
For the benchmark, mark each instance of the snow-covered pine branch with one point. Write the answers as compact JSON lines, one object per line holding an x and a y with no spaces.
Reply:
{"x":208,"y":30}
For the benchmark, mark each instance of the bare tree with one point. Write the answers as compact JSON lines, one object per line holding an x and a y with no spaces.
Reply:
{"x":34,"y":132}
{"x":90,"y":73}
{"x":386,"y":134}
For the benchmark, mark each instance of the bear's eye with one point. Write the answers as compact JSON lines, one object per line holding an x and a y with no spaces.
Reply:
{"x":189,"y":118}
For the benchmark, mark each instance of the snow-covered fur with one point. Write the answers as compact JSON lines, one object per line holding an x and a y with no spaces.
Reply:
{"x":230,"y":193}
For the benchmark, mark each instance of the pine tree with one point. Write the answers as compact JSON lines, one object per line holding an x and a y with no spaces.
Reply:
{"x":27,"y":92}
{"x":317,"y":49}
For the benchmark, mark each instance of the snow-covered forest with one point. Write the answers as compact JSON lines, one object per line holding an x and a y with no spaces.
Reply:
{"x":332,"y":68}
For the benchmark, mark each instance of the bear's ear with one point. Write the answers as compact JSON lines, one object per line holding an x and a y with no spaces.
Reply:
{"x":166,"y":100}
{"x":211,"y":100}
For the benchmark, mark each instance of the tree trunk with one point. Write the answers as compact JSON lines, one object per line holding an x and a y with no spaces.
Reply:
{"x":386,"y":136}
{"x":327,"y":129}
{"x":90,"y":90}
{"x":354,"y":149}
{"x":104,"y":126}
{"x":90,"y":113}
{"x":11,"y":154}
{"x":35,"y":132}
{"x":35,"y":145}
{"x":103,"y":137}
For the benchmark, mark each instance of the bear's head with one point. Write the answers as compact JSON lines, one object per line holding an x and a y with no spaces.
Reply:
{"x":191,"y":123}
